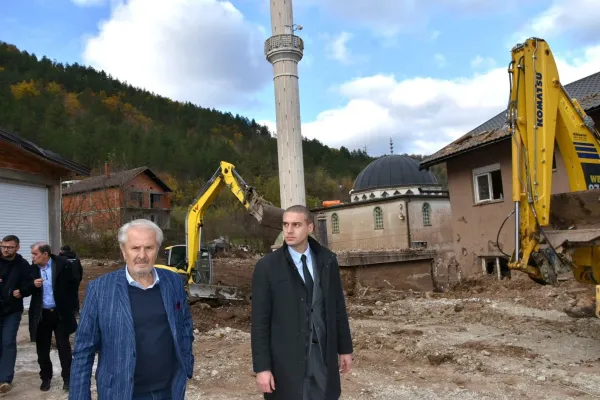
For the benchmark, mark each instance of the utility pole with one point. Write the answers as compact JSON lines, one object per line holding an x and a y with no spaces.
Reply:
{"x":284,"y":50}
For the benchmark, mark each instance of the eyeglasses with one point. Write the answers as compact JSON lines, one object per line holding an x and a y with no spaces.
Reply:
{"x":8,"y":247}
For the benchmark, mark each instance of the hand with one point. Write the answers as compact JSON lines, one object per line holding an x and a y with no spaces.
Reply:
{"x":265,"y":381}
{"x":345,"y":363}
{"x":38,"y":283}
{"x":17,"y":294}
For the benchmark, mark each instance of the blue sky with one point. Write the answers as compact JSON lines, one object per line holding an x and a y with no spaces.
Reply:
{"x":420,"y":74}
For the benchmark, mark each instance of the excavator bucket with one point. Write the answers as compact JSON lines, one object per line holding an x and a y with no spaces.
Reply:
{"x":574,"y":220}
{"x":219,"y":292}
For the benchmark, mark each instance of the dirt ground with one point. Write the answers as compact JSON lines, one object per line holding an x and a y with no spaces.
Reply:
{"x":485,"y":339}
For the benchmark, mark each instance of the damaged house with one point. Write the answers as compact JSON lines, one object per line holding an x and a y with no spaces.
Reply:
{"x":106,"y":201}
{"x":480,"y":185}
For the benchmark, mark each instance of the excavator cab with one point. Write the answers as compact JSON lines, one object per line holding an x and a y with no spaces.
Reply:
{"x":175,"y":256}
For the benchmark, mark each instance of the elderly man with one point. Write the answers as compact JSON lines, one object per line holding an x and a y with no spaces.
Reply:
{"x":15,"y":283}
{"x":52,"y":310}
{"x":139,"y":321}
{"x":300,"y":331}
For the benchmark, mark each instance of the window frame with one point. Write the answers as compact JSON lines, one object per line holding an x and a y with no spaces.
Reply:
{"x":486,"y":171}
{"x":375,"y":213}
{"x":426,"y":207}
{"x":335,"y":223}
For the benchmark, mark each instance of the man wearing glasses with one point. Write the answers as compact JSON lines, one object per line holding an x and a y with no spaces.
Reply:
{"x":52,"y":310}
{"x":15,"y":283}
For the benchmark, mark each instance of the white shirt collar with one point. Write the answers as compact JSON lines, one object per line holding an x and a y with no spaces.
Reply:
{"x":132,"y":282}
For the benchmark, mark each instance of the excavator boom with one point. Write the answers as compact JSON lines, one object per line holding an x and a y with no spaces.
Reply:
{"x":199,"y":271}
{"x":555,"y":233}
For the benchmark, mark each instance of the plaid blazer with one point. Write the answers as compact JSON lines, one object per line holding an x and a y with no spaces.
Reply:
{"x":106,"y":327}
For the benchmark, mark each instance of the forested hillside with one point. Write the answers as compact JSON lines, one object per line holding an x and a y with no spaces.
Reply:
{"x":89,"y":117}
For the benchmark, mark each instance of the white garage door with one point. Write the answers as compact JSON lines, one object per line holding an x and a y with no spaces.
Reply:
{"x":24,"y":213}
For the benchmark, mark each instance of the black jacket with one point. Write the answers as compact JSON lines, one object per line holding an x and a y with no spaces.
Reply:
{"x":279,"y":321}
{"x":64,"y":287}
{"x":77,"y":270}
{"x":14,"y":274}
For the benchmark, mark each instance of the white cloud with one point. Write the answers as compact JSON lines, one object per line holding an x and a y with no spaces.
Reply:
{"x":423,"y":114}
{"x":337,"y":47}
{"x":434,"y":35}
{"x":203,"y":51}
{"x":575,"y":18}
{"x":483,"y":62}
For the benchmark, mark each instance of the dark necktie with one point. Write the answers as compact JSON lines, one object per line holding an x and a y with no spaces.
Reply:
{"x":307,"y":277}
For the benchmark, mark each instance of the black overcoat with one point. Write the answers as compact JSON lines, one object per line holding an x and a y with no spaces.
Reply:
{"x":279,"y":321}
{"x":64,"y":285}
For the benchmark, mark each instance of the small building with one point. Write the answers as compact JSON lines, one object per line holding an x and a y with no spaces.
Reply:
{"x":393,"y":205}
{"x":30,"y":186}
{"x":397,"y":223}
{"x":105,"y":202}
{"x":479,"y":168}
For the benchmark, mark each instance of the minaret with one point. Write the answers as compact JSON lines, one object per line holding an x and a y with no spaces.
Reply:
{"x":284,"y":50}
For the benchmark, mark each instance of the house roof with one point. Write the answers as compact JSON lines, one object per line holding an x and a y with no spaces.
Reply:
{"x":585,"y":90}
{"x":47,"y":155}
{"x":113,"y":180}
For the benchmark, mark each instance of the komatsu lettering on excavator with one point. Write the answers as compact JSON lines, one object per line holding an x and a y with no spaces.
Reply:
{"x":554,"y":233}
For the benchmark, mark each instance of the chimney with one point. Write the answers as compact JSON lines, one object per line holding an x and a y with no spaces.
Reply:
{"x":107,"y":169}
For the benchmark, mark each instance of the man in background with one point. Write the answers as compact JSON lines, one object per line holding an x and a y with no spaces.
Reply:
{"x":67,"y":252}
{"x":15,"y":283}
{"x":52,"y":310}
{"x":299,"y":321}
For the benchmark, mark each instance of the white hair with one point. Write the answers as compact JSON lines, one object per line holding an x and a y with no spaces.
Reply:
{"x":140,"y":223}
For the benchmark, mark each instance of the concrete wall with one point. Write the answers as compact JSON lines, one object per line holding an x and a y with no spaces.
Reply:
{"x":21,"y":166}
{"x":415,"y":275}
{"x":475,"y":226}
{"x":358,"y":230}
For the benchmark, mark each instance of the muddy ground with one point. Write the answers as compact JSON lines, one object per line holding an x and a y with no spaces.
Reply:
{"x":485,"y":339}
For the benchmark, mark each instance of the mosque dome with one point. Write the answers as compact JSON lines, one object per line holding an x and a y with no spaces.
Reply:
{"x":393,"y":171}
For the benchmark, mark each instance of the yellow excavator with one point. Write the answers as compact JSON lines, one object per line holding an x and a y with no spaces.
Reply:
{"x":192,"y":260}
{"x":554,"y":233}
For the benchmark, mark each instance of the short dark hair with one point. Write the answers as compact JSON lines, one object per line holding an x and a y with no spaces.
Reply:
{"x":42,"y":247}
{"x":300,"y":209}
{"x":66,"y":247}
{"x":11,"y":238}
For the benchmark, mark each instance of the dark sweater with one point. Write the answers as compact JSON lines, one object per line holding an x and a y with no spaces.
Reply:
{"x":156,"y":361}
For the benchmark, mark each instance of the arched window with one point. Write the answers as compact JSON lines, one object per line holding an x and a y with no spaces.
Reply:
{"x":335,"y":223}
{"x":426,"y":214}
{"x":378,"y":214}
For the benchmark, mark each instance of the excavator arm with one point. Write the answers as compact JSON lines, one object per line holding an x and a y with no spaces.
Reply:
{"x":192,"y":261}
{"x":264,"y":212}
{"x":554,"y":233}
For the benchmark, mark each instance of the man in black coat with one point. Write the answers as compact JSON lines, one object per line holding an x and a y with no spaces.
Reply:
{"x":15,"y":283}
{"x":299,"y":323}
{"x":67,"y":252}
{"x":52,"y":310}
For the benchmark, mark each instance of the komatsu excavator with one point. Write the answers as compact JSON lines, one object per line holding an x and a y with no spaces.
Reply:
{"x":192,"y":260}
{"x":554,"y":233}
